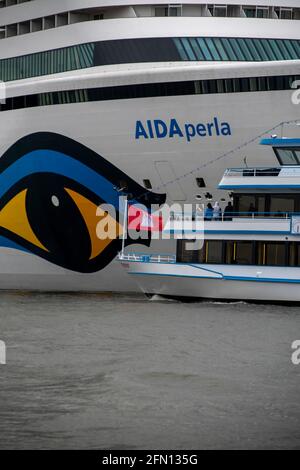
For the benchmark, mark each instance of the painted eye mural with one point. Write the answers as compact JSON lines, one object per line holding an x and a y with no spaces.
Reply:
{"x":50,"y":189}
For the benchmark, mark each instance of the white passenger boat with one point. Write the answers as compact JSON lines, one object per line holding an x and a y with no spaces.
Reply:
{"x":252,"y":253}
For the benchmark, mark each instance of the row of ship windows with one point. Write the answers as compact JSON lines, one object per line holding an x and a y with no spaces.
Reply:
{"x":234,"y":49}
{"x":266,"y":204}
{"x":256,"y":12}
{"x":284,"y":13}
{"x":150,"y":90}
{"x":10,"y":3}
{"x":147,"y":50}
{"x":71,"y":17}
{"x":45,"y":23}
{"x":253,"y":253}
{"x":252,"y":11}
{"x":214,"y":9}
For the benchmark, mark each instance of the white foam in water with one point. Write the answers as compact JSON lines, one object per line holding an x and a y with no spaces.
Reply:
{"x":160,"y":298}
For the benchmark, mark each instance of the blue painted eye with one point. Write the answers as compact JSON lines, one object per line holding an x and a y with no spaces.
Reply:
{"x":50,"y":188}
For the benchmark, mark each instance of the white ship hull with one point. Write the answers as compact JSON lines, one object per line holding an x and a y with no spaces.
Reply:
{"x":109,"y":130}
{"x":109,"y":127}
{"x":25,"y":272}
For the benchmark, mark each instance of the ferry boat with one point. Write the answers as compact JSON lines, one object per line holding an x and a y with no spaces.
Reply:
{"x":99,"y":96}
{"x":252,"y":253}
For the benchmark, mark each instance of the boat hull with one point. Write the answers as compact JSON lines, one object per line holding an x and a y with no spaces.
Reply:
{"x":198,"y":282}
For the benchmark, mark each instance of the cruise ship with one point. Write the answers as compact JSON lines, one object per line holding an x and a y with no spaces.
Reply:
{"x":150,"y":100}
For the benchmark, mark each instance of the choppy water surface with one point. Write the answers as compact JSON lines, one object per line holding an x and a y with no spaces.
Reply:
{"x":125,"y":372}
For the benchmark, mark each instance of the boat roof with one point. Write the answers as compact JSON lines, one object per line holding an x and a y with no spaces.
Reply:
{"x":280,"y":177}
{"x":276,"y":179}
{"x":281,"y":142}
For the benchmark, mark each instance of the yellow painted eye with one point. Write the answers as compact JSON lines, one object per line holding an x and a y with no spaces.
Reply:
{"x":88,"y":211}
{"x":13,"y":218}
{"x":31,"y":224}
{"x":60,"y":224}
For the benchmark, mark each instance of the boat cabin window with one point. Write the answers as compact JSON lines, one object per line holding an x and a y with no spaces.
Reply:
{"x":214,"y":252}
{"x":243,"y":252}
{"x":275,"y":254}
{"x":186,"y":255}
{"x":288,"y":156}
{"x":294,"y":254}
{"x":260,"y":205}
{"x":281,"y":205}
{"x":245,"y":204}
{"x":239,"y":252}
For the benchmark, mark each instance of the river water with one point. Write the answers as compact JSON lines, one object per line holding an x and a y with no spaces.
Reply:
{"x":123,"y":372}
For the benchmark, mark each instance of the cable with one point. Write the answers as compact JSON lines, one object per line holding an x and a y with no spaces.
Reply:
{"x":224,"y":155}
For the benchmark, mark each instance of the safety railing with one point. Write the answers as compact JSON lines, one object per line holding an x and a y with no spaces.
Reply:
{"x":263,"y":216}
{"x":188,"y":217}
{"x":230,"y":216}
{"x":263,"y":171}
{"x":147,"y":258}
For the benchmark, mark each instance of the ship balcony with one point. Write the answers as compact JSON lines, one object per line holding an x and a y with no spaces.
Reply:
{"x":268,"y":178}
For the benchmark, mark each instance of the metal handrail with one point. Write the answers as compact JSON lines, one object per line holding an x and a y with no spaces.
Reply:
{"x":258,"y":215}
{"x":147,"y":258}
{"x":262,"y":171}
{"x":239,"y":215}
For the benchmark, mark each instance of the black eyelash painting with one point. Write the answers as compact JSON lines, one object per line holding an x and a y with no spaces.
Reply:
{"x":50,"y":189}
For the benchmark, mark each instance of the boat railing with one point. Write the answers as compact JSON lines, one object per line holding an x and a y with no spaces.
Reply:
{"x":255,"y":215}
{"x":147,"y":257}
{"x":234,"y":215}
{"x":262,"y":171}
{"x":180,"y":217}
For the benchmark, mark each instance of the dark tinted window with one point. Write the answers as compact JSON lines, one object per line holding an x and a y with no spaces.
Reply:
{"x":214,"y":252}
{"x":147,"y":184}
{"x":275,"y":254}
{"x":243,"y":253}
{"x":260,"y":253}
{"x":288,"y":156}
{"x":149,"y":50}
{"x":294,"y":254}
{"x":148,"y":90}
{"x":246,"y":204}
{"x":282,"y":205}
{"x":186,"y":252}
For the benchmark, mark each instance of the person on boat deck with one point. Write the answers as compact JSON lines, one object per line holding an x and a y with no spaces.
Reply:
{"x":228,"y":211}
{"x":208,"y":212}
{"x":217,"y":212}
{"x":199,"y":212}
